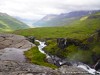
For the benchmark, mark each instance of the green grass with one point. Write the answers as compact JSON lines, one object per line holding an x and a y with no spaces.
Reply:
{"x":78,"y":30}
{"x":73,"y":52}
{"x":77,"y":54}
{"x":38,"y":58}
{"x":8,"y":23}
{"x":53,"y":49}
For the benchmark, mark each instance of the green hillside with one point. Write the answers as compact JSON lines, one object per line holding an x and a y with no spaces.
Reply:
{"x":82,"y":33}
{"x":79,"y":29}
{"x":8,"y":23}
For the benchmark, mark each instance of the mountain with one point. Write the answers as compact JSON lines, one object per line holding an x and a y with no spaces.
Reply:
{"x":29,"y":22}
{"x":8,"y":23}
{"x":79,"y":41}
{"x":78,"y":29}
{"x":62,"y":19}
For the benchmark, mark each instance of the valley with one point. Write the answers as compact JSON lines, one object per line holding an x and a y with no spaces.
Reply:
{"x":81,"y":38}
{"x":9,"y":23}
{"x":69,"y":45}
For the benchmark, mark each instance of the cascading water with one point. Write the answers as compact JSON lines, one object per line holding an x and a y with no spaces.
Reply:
{"x":61,"y":62}
{"x":41,"y":46}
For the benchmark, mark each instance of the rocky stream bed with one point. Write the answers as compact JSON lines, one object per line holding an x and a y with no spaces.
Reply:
{"x":13,"y":62}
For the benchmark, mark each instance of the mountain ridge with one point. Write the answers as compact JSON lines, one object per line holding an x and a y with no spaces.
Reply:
{"x":9,"y":23}
{"x":62,"y":19}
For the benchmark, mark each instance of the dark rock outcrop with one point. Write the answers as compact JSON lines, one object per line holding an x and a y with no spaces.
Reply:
{"x":94,"y":17}
{"x":98,"y":32}
{"x":63,"y":43}
{"x":31,"y":38}
{"x":97,"y":65}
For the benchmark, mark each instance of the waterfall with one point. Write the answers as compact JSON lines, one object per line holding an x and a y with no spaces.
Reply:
{"x":41,"y":46}
{"x":61,"y":62}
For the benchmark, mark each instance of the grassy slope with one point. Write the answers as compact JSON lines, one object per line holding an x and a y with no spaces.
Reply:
{"x":38,"y":58}
{"x":81,"y":29}
{"x":8,"y":23}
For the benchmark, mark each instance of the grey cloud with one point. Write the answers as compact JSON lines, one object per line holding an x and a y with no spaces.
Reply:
{"x":36,"y":9}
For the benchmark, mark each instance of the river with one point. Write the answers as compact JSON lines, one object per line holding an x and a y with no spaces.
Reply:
{"x":61,"y":62}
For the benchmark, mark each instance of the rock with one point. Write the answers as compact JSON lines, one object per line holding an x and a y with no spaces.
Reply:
{"x":16,"y":68}
{"x":6,"y":42}
{"x":12,"y":47}
{"x":97,"y":65}
{"x":70,"y":70}
{"x":1,"y":39}
{"x":98,"y":32}
{"x":14,"y":41}
{"x":84,"y":46}
{"x":31,"y":39}
{"x":61,"y":43}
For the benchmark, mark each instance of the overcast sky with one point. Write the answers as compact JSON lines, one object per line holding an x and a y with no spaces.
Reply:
{"x":36,"y":9}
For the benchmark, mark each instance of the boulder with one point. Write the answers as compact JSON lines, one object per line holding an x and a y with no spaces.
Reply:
{"x":97,"y":65}
{"x":31,"y":38}
{"x":70,"y":70}
{"x":61,"y":43}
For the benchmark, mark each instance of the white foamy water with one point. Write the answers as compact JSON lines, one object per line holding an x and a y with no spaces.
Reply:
{"x":88,"y":69}
{"x":41,"y":46}
{"x":81,"y":65}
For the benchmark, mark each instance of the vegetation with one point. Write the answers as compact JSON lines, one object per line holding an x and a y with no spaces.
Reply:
{"x":37,"y":57}
{"x":8,"y":23}
{"x":80,"y":29}
{"x":76,"y":53}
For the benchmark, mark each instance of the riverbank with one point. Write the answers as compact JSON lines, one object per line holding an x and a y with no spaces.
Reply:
{"x":13,"y":62}
{"x":54,"y":60}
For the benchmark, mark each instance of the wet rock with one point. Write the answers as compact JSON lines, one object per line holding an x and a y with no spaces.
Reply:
{"x":61,"y":43}
{"x":97,"y":65}
{"x":95,"y":57}
{"x":31,"y":39}
{"x":70,"y":70}
{"x":98,"y":32}
{"x":84,"y":46}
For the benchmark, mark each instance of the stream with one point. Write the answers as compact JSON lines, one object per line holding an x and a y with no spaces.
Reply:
{"x":59,"y":62}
